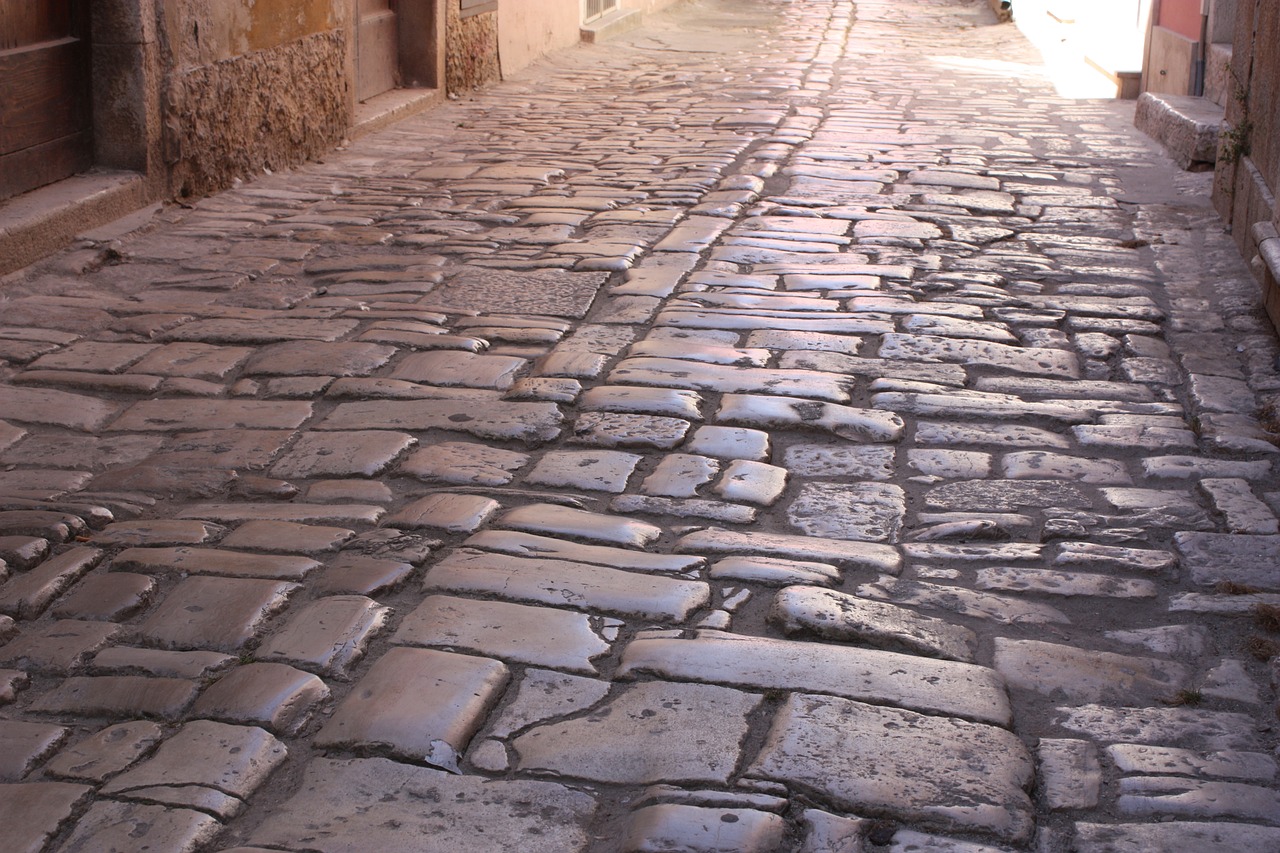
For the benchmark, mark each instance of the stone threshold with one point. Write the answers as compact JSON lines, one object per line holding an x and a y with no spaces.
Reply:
{"x":38,"y":223}
{"x":613,"y":24}
{"x":390,"y":107}
{"x":1188,"y":127}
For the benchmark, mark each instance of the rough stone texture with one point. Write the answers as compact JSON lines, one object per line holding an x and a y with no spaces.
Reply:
{"x":110,"y":825}
{"x":366,"y":803}
{"x":1188,"y":127}
{"x":934,"y":771}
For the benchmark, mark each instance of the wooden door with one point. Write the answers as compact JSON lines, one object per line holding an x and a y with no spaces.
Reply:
{"x":377,"y":54}
{"x":45,"y":129}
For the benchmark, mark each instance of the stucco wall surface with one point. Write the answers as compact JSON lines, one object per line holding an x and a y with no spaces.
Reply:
{"x":529,"y":28}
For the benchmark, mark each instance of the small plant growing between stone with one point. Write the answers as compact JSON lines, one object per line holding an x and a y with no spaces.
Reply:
{"x":1261,"y":648}
{"x":1234,"y":141}
{"x":1267,"y":617}
{"x":1187,"y":698}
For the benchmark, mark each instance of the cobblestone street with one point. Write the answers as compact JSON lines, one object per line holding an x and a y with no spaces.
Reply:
{"x":787,"y":428}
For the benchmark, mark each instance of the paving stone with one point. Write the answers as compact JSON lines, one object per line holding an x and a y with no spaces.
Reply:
{"x":680,"y":475}
{"x":110,"y":825}
{"x":24,"y":552}
{"x":193,"y":664}
{"x":1194,"y":468}
{"x":647,"y":732}
{"x":538,"y":636}
{"x":1064,"y":583}
{"x":561,"y":582}
{"x":542,"y":388}
{"x":59,"y":646}
{"x":459,"y":369}
{"x":836,"y":616}
{"x":837,"y":551}
{"x":279,"y":511}
{"x":856,"y":463}
{"x":1223,"y":557}
{"x":677,"y":373}
{"x":529,"y":545}
{"x":1044,"y":465}
{"x":29,"y":594}
{"x":773,"y":572}
{"x":781,"y":339}
{"x":1176,"y":641}
{"x":612,"y":429}
{"x":23,"y":745}
{"x":272,"y":695}
{"x":1035,"y":361}
{"x":1006,"y":435}
{"x":931,"y":771}
{"x":543,"y":695}
{"x":976,"y":404}
{"x":845,"y":422}
{"x":212,"y":766}
{"x":453,"y":513}
{"x":702,"y":830}
{"x":192,"y":360}
{"x":751,"y":482}
{"x":214,"y":561}
{"x":367,"y":491}
{"x":327,"y":635}
{"x":1002,"y":496}
{"x":869,"y":512}
{"x":949,"y":464}
{"x":56,"y":408}
{"x":935,"y":686}
{"x":214,"y":613}
{"x":1070,"y":773}
{"x":174,"y":414}
{"x":418,"y":703}
{"x":1242,"y":510}
{"x":952,"y":375}
{"x":287,"y":537}
{"x":1086,"y":675}
{"x":1159,"y":507}
{"x":32,"y":813}
{"x":694,"y":350}
{"x":594,"y":470}
{"x":1091,"y":555}
{"x":532,"y":423}
{"x":1228,"y":764}
{"x":1229,"y":680}
{"x":370,"y":803}
{"x":674,"y":403}
{"x":1189,"y":728}
{"x":312,"y":358}
{"x":1171,"y":795}
{"x":972,"y":553}
{"x":342,"y":454}
{"x":118,"y":696}
{"x":356,"y":574}
{"x":1216,"y":837}
{"x":729,"y":443}
{"x":223,"y":448}
{"x":106,"y":752}
{"x":464,"y":464}
{"x":1066,"y":389}
{"x":580,"y":524}
{"x":828,"y":833}
{"x":1002,"y":609}
{"x":685,"y":508}
{"x":157,"y":532}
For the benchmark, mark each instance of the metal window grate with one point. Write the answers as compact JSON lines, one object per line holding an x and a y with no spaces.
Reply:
{"x":597,"y":9}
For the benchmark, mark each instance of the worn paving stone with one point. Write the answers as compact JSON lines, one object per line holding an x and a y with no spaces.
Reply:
{"x":1235,"y":501}
{"x":935,"y":686}
{"x":751,"y":482}
{"x":342,"y":454}
{"x":273,"y":695}
{"x":867,"y":462}
{"x":539,"y":636}
{"x":932,"y":771}
{"x":839,"y":551}
{"x":280,"y":511}
{"x":1045,"y":465}
{"x":59,"y":646}
{"x":530,"y":545}
{"x":579,"y":524}
{"x":106,"y":752}
{"x":647,"y":732}
{"x":111,"y":825}
{"x":614,"y":429}
{"x":287,"y":537}
{"x":1196,"y":798}
{"x":1215,"y":837}
{"x":1085,"y":675}
{"x":1064,"y":583}
{"x":561,"y":582}
{"x":214,"y":613}
{"x":125,"y":696}
{"x":420,"y":704}
{"x":543,"y":695}
{"x":24,"y":744}
{"x":680,"y":475}
{"x":29,"y":594}
{"x":729,"y":443}
{"x":590,"y":470}
{"x":459,"y":369}
{"x":1002,"y":496}
{"x":170,"y":664}
{"x":50,"y":407}
{"x":157,"y":532}
{"x":357,"y":574}
{"x":463,"y":463}
{"x":343,"y":805}
{"x":171,"y":415}
{"x":1071,"y":774}
{"x":677,"y":373}
{"x":214,"y":561}
{"x":717,"y":511}
{"x":31,"y":813}
{"x":1227,"y":764}
{"x":854,"y":424}
{"x":211,"y":766}
{"x":813,"y":611}
{"x":673,"y":403}
{"x":452,"y":513}
{"x":702,"y":830}
{"x":774,"y":572}
{"x":1002,"y":609}
{"x":532,"y":423}
{"x":1005,"y":435}
{"x":869,"y":512}
{"x":327,"y":635}
{"x":1189,"y":728}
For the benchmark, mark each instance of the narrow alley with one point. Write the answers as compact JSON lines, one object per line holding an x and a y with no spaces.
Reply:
{"x":789,"y":427}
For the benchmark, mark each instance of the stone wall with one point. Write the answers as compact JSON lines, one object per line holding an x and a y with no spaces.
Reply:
{"x":1248,"y":173}
{"x":471,"y":49}
{"x":267,"y":109}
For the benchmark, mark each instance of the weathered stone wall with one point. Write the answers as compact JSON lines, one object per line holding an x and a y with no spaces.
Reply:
{"x":471,"y":50}
{"x":267,"y":109}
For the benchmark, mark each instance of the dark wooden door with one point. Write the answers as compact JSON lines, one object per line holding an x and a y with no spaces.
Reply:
{"x":377,"y":54}
{"x":45,"y":119}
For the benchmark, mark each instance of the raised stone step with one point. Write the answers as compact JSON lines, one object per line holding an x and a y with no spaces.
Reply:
{"x":1188,"y":127}
{"x":613,"y":24}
